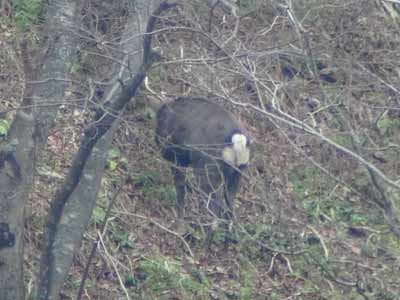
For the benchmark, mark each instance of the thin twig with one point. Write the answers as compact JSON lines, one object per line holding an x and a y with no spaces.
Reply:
{"x":162,"y":227}
{"x":96,"y":243}
{"x":321,"y":240}
{"x":111,"y":259}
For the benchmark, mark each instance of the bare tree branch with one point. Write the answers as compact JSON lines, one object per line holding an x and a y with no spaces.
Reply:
{"x":30,"y":129}
{"x":59,"y":244}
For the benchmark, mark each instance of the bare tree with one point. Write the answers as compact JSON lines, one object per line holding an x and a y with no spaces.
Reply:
{"x":28,"y":134}
{"x":32,"y":125}
{"x":73,"y":204}
{"x":315,"y":82}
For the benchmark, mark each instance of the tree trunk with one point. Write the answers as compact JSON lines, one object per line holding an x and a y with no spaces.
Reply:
{"x":17,"y":159}
{"x":72,"y":206}
{"x":15,"y":179}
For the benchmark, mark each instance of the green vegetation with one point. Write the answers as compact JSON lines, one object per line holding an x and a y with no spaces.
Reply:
{"x":115,"y":159}
{"x":149,"y":183}
{"x":120,"y":236}
{"x":26,"y":12}
{"x":321,"y":202}
{"x":299,"y":233}
{"x":160,"y":275}
{"x":4,"y":127}
{"x":248,"y":275}
{"x":248,"y":7}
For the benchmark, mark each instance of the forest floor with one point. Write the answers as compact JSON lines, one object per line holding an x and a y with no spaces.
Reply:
{"x":298,"y":234}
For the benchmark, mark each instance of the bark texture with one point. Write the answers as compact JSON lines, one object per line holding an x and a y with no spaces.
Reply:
{"x":29,"y":130}
{"x":73,"y":204}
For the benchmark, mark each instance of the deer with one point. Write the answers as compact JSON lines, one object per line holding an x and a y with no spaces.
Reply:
{"x":198,"y":133}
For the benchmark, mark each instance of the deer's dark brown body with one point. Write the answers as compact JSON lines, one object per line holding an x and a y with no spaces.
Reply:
{"x":197,"y":133}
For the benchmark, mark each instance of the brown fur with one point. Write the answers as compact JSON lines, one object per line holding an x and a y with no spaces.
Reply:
{"x":192,"y":132}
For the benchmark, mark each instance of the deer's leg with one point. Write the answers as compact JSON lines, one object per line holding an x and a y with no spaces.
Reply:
{"x":210,"y":183}
{"x":211,"y":188}
{"x":232,"y":179}
{"x":180,"y":182}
